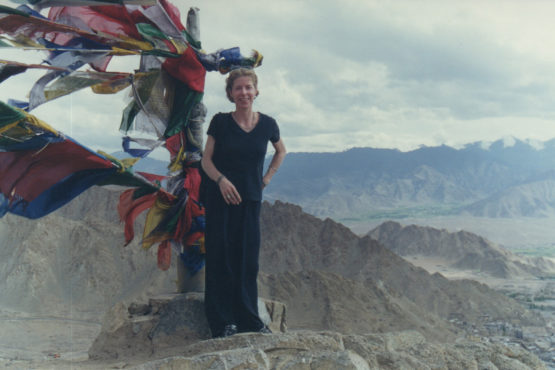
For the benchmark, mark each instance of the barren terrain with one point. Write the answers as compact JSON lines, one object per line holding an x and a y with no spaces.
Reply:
{"x":68,"y":268}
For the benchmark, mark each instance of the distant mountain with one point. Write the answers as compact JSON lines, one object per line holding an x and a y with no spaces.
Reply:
{"x":461,"y":250}
{"x":379,"y":183}
{"x":533,"y":198}
{"x":496,"y":180}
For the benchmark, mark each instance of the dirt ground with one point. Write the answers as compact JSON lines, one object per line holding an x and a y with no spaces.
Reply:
{"x":31,"y":342}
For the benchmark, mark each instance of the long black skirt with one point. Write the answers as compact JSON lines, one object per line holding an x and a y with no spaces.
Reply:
{"x":232,"y":240}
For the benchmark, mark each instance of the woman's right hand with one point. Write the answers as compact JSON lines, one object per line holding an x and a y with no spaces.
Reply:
{"x":229,"y":193}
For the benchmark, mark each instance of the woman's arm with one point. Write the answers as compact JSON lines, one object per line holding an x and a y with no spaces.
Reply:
{"x":229,"y":193}
{"x":278,"y":157}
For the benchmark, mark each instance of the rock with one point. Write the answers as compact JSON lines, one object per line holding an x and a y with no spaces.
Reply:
{"x":329,"y":350}
{"x":244,"y":358}
{"x":168,"y":321}
{"x":497,"y":356}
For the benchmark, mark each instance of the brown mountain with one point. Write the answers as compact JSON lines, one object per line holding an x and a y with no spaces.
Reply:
{"x":72,"y":263}
{"x":461,"y":250}
{"x":295,"y":243}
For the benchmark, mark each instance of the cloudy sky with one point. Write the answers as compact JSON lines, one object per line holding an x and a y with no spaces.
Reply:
{"x":362,"y":73}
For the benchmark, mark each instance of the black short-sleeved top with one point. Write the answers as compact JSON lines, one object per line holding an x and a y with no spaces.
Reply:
{"x":239,"y":155}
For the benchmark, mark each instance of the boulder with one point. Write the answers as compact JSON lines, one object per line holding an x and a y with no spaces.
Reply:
{"x":165,"y":322}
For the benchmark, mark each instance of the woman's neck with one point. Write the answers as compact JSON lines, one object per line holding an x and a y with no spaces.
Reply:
{"x":245,"y":118}
{"x":243,"y":115}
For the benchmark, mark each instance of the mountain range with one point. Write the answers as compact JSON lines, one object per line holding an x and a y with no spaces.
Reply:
{"x":502,"y":179}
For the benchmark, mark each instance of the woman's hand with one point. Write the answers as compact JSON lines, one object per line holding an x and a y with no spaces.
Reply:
{"x":275,"y":163}
{"x":229,"y":193}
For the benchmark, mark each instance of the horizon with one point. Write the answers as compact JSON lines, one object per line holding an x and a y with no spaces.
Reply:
{"x":508,"y":142}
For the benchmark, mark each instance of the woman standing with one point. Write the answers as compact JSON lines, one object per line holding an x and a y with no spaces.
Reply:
{"x":233,"y":159}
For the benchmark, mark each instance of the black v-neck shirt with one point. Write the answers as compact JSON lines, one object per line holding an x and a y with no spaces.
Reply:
{"x":239,"y":155}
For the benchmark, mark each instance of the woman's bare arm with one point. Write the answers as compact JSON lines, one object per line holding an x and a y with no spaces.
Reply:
{"x":229,"y":193}
{"x":276,"y":161}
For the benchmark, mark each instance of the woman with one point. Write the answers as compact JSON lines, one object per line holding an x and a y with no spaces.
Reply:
{"x":233,"y":159}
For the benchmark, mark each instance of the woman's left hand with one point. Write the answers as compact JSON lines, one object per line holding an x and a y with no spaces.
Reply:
{"x":275,"y":163}
{"x":229,"y":192}
{"x":265,"y":182}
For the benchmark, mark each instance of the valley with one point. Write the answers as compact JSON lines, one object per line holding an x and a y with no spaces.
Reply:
{"x":536,"y":294}
{"x":437,"y":249}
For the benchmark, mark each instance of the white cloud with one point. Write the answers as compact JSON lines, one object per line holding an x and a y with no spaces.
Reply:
{"x":369,"y":73}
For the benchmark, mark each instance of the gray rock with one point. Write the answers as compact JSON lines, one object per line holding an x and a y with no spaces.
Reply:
{"x":328,"y":350}
{"x":168,"y":321}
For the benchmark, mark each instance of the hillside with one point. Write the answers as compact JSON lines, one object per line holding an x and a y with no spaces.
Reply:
{"x":73,"y":262}
{"x":72,"y":265}
{"x":534,"y":198}
{"x":295,"y":241}
{"x":460,"y":250}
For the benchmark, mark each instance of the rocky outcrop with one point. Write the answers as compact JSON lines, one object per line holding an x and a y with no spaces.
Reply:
{"x":171,"y":332}
{"x":334,"y":351}
{"x":165,"y":323}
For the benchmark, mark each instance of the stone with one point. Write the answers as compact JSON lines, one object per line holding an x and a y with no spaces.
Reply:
{"x":307,"y":350}
{"x":167,"y":321}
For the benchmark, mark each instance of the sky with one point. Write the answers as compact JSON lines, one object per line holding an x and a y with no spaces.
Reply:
{"x":359,"y":73}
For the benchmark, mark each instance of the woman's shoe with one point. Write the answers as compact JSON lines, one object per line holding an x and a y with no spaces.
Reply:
{"x":265,"y":330}
{"x":229,"y":330}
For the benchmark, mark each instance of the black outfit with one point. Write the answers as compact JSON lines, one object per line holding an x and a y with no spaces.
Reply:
{"x":232,"y":235}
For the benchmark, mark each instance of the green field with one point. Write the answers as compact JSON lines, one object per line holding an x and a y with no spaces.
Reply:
{"x":537,"y":251}
{"x":407,"y":212}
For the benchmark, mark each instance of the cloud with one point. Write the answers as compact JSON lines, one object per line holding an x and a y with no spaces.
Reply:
{"x":372,"y":73}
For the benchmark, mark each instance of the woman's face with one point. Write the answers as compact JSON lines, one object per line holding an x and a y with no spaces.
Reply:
{"x":243,"y":92}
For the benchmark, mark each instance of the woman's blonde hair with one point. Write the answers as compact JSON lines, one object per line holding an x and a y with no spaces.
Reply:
{"x":235,"y":74}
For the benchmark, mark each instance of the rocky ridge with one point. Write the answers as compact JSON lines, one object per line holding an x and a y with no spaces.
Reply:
{"x":296,"y":242}
{"x":460,"y":250}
